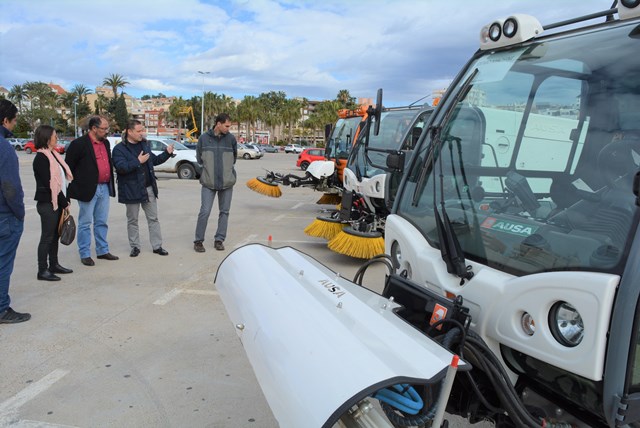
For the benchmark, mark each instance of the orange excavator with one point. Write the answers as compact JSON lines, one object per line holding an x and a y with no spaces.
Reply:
{"x":189,"y":135}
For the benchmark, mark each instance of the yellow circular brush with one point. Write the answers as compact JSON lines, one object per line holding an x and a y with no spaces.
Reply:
{"x":264,"y":187}
{"x":324,"y":227}
{"x":330,"y":199}
{"x":361,"y":245}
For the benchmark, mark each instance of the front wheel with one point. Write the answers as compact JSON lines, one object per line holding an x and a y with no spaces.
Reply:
{"x":186,"y":171}
{"x":246,"y":156}
{"x":28,"y":150}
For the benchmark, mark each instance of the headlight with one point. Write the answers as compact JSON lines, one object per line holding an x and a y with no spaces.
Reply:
{"x":566,"y":324}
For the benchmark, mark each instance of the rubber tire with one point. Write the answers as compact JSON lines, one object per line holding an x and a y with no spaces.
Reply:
{"x":186,"y":171}
{"x":304,"y":165}
{"x":246,"y":156}
{"x":28,"y":150}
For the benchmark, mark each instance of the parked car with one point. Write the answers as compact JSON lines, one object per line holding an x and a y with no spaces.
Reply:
{"x":293,"y":148}
{"x":268,"y":148}
{"x":30,"y":147}
{"x":17,"y":143}
{"x":309,"y":155}
{"x":245,"y":152}
{"x":189,"y":145}
{"x":257,"y":147}
{"x":183,"y":162}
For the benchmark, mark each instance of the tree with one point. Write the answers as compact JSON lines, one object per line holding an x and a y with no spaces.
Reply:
{"x":248,"y":111}
{"x":345,"y":99}
{"x":80,"y":91}
{"x":17,"y":94}
{"x":271,"y":108}
{"x":292,"y":113}
{"x":178,"y":111}
{"x":42,"y":103}
{"x":115,"y":81}
{"x":215,"y":104}
{"x":100,"y":104}
{"x":121,"y":115}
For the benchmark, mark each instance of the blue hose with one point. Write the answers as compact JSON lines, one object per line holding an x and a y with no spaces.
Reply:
{"x":404,"y":398}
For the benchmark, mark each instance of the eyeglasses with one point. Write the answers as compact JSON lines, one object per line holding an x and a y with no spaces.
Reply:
{"x":103,"y":129}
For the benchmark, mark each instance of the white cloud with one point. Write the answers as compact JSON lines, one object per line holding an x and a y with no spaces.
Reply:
{"x":305,"y":48}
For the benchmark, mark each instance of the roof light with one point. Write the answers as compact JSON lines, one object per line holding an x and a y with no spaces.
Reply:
{"x":510,"y":27}
{"x":628,"y":9}
{"x":510,"y":31}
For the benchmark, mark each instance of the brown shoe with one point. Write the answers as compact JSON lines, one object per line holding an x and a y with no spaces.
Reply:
{"x":218,"y":245}
{"x":108,"y":256}
{"x":198,"y":247}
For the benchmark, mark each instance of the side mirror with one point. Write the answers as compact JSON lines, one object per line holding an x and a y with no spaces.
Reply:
{"x":378,"y":112}
{"x":395,"y":161}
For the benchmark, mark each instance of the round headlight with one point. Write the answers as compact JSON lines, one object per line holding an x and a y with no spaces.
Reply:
{"x":396,"y":255}
{"x":630,"y":3}
{"x":566,"y":324}
{"x":510,"y":27}
{"x":495,"y":31}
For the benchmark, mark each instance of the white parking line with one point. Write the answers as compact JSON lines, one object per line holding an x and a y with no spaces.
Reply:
{"x":176,"y":291}
{"x":31,"y":391}
{"x":25,"y":423}
{"x":167,"y":297}
{"x":246,"y":240}
{"x":298,"y":205}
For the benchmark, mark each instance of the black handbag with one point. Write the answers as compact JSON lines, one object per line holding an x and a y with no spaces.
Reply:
{"x":66,"y":228}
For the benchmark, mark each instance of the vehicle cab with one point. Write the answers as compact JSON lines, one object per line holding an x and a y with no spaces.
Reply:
{"x":521,"y":204}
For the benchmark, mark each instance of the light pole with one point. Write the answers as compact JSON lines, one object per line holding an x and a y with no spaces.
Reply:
{"x":202,"y":117}
{"x":75,"y":117}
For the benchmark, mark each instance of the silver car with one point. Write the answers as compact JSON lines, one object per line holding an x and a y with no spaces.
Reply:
{"x":246,"y":152}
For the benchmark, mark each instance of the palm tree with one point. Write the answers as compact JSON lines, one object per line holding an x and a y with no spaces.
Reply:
{"x":248,"y":111}
{"x":115,"y":81}
{"x":80,"y":91}
{"x":292,"y":113}
{"x":17,"y":94}
{"x":101,"y":104}
{"x":345,"y":99}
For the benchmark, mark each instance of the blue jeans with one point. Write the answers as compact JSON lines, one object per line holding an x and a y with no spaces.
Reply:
{"x":95,"y":211}
{"x":206,"y":203}
{"x":10,"y":232}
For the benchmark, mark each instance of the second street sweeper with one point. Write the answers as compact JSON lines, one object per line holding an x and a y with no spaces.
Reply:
{"x":357,"y":229}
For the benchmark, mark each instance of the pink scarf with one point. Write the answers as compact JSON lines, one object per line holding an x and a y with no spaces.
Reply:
{"x":54,"y":169}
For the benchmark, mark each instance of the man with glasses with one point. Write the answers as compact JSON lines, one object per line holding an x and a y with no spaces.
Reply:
{"x":89,"y":158}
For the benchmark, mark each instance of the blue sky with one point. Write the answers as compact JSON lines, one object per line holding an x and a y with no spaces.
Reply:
{"x":305,"y":48}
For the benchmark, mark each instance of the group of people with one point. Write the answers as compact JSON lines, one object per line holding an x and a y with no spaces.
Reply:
{"x":88,"y":173}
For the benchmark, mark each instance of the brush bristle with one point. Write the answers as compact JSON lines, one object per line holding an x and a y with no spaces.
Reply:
{"x":357,"y":246}
{"x":329,"y":199}
{"x":271,"y":190}
{"x":323,"y":229}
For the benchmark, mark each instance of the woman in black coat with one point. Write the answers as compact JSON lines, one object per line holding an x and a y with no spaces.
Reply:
{"x":52,"y":177}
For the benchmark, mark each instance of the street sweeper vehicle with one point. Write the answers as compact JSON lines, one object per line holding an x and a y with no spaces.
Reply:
{"x":520,"y":255}
{"x":357,"y":229}
{"x":324,"y":176}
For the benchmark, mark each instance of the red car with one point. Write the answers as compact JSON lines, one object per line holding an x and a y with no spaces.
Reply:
{"x":309,"y":155}
{"x":29,"y":147}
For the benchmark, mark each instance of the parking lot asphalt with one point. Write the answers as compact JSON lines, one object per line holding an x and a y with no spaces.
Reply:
{"x":146,"y":341}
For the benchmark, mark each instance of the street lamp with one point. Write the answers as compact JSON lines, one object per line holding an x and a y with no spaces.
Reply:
{"x":202,"y":116}
{"x":75,"y":117}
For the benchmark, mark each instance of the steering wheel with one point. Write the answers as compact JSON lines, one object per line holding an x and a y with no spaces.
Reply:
{"x":616,"y":159}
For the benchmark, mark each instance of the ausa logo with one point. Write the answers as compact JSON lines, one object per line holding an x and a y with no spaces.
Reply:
{"x":519,"y":229}
{"x":332,"y":288}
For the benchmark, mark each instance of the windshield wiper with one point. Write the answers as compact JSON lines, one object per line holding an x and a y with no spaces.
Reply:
{"x":450,"y":248}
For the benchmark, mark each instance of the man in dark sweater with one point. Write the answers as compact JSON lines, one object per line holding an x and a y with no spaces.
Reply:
{"x":11,"y":211}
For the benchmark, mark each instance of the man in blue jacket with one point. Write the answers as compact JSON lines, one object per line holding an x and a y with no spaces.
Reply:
{"x":137,"y":186}
{"x":11,"y":211}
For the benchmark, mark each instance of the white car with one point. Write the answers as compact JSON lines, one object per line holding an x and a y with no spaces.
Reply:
{"x":293,"y":148}
{"x":184,"y":162}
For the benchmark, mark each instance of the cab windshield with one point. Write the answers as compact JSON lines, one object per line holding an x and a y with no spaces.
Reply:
{"x":399,"y":130}
{"x":342,"y":137}
{"x":534,"y":163}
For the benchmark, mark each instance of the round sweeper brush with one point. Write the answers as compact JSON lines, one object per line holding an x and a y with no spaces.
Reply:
{"x":264,"y":187}
{"x":361,"y":245}
{"x":329,"y":199}
{"x":324,"y":227}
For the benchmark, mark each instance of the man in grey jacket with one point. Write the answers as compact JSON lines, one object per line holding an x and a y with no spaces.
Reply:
{"x":216,"y":151}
